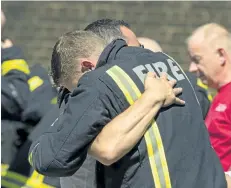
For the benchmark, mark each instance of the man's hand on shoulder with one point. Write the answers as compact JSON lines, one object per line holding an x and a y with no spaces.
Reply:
{"x":160,"y":89}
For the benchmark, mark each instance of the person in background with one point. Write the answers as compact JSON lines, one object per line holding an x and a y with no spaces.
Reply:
{"x":14,"y":92}
{"x":110,"y":30}
{"x":209,"y":47}
{"x":150,"y":44}
{"x":201,"y":91}
{"x":26,"y":96}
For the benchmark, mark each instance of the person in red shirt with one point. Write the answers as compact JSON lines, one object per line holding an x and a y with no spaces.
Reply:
{"x":209,"y":48}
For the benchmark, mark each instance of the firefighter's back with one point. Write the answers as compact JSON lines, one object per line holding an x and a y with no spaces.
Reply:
{"x":175,"y":151}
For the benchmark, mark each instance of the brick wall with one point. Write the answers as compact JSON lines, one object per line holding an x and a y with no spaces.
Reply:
{"x":35,"y":26}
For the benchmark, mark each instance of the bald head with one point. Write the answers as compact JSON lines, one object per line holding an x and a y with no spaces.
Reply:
{"x":150,"y":44}
{"x":209,"y":48}
{"x":212,"y":34}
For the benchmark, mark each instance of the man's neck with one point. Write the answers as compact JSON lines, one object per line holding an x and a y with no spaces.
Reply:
{"x":225,"y":78}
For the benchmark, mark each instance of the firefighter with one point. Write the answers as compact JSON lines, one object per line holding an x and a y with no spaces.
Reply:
{"x":175,"y":139}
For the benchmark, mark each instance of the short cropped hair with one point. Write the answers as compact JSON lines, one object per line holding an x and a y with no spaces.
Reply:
{"x":68,"y":49}
{"x":212,"y":33}
{"x":108,"y":29}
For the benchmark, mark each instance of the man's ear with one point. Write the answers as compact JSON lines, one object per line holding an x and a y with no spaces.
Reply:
{"x":222,"y":56}
{"x":86,"y":65}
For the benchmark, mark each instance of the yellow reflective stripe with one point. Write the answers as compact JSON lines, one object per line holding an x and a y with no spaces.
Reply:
{"x":15,"y":64}
{"x":158,"y":170}
{"x":121,"y":86}
{"x":162,"y":153}
{"x":15,"y":176}
{"x":35,"y":179}
{"x":210,"y":97}
{"x":7,"y":184}
{"x":54,"y":100}
{"x":152,"y":159}
{"x":201,"y":84}
{"x":4,"y":168}
{"x":160,"y":148}
{"x":133,"y":85}
{"x":34,"y":82}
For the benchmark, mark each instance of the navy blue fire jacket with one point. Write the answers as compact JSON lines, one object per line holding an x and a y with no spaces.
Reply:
{"x":174,"y":152}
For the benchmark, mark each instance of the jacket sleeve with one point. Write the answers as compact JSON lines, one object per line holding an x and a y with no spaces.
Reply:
{"x":13,"y":93}
{"x":62,"y":150}
{"x":10,"y":105}
{"x":15,"y":90}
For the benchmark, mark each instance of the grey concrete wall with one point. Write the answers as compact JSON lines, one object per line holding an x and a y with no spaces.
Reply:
{"x":35,"y":26}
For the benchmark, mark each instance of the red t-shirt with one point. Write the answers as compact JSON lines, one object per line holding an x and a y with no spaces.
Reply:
{"x":218,"y":122}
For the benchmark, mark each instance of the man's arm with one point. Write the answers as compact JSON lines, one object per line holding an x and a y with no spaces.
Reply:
{"x":120,"y":135}
{"x":63,"y":148}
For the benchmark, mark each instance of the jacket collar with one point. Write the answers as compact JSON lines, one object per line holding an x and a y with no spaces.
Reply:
{"x":110,"y":51}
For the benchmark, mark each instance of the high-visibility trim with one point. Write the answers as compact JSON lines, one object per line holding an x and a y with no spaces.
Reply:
{"x":152,"y":160}
{"x":14,"y":176}
{"x":15,"y":64}
{"x":202,"y":85}
{"x":160,"y":147}
{"x":4,"y":168}
{"x":152,"y":136}
{"x":34,"y":181}
{"x":210,"y":97}
{"x":34,"y":83}
{"x":7,"y":184}
{"x":121,"y":86}
{"x":54,"y":100}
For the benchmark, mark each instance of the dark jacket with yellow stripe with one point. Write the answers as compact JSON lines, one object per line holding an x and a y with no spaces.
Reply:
{"x":174,"y":152}
{"x":202,"y":93}
{"x":14,"y":93}
{"x":27,"y":95}
{"x":15,"y":90}
{"x":26,"y":92}
{"x":42,"y":96}
{"x":20,"y":173}
{"x":20,"y":166}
